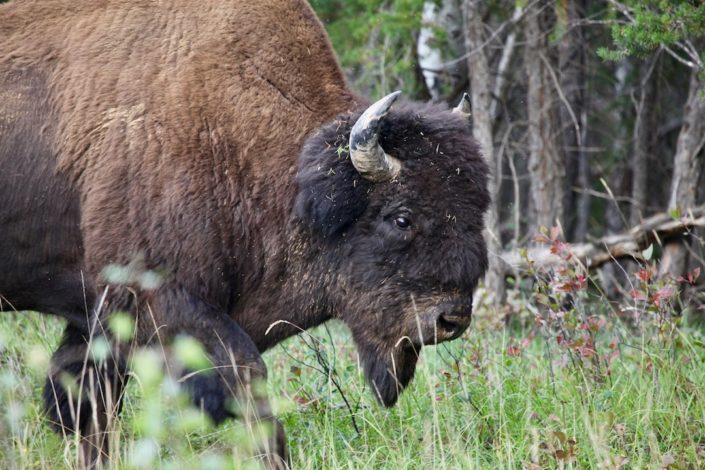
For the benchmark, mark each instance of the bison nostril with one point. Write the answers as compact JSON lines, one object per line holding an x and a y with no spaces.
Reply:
{"x":454,"y":324}
{"x":445,"y":324}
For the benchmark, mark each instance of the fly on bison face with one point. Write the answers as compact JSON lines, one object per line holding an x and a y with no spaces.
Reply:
{"x":398,"y":219}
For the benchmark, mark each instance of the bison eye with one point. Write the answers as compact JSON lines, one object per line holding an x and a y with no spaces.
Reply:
{"x":402,"y":222}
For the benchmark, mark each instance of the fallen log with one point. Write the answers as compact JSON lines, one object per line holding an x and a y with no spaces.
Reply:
{"x":630,"y":244}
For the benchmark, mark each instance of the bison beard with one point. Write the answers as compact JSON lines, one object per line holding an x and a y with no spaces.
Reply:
{"x":388,"y":371}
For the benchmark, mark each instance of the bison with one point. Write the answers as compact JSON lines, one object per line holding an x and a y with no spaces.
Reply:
{"x":217,"y":143}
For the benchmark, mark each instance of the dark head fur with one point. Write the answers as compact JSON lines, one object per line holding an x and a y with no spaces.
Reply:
{"x":388,"y":276}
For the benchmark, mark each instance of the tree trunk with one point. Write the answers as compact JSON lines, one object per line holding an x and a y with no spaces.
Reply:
{"x":612,"y":276}
{"x":546,"y":165}
{"x":644,"y":130}
{"x":437,"y":74}
{"x":428,"y":52}
{"x":573,"y":113}
{"x":505,"y":60}
{"x":480,"y":85}
{"x":687,"y":165}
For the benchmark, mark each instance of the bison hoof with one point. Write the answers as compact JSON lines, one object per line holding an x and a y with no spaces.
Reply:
{"x":207,"y":392}
{"x":76,"y":393}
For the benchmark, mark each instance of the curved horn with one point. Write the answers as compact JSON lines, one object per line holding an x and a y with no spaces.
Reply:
{"x":463,"y":107}
{"x":367,"y":156}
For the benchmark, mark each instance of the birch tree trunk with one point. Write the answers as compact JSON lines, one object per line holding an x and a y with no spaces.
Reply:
{"x":438,"y":74}
{"x":687,"y":165}
{"x":428,"y":52}
{"x":480,"y":86}
{"x":546,"y":165}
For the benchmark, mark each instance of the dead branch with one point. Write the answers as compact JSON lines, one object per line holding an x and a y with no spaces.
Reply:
{"x":628,"y":244}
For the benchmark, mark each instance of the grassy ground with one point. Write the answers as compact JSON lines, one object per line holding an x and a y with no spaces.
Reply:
{"x":587,"y":392}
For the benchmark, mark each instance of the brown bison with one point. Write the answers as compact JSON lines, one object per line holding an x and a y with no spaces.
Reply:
{"x":216,"y":142}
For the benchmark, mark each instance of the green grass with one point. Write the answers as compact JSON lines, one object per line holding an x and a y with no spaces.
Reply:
{"x":486,"y":400}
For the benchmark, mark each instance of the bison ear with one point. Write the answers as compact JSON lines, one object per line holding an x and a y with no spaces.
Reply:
{"x":331,"y":193}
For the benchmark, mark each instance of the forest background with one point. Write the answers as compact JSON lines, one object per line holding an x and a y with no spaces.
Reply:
{"x":591,"y":113}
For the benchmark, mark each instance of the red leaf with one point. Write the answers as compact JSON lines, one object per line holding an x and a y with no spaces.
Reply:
{"x":662,"y":294}
{"x":526,"y":341}
{"x":586,"y":351}
{"x":300,"y":400}
{"x":637,"y":294}
{"x":568,"y":286}
{"x":513,"y":351}
{"x":558,"y":247}
{"x":595,"y":324}
{"x":644,"y":275}
{"x":693,"y":276}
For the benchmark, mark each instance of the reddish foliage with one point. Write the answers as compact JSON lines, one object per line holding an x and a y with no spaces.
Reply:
{"x":637,"y":295}
{"x":691,"y":277}
{"x":587,"y":349}
{"x":558,"y":247}
{"x":572,"y":285}
{"x":662,"y":295}
{"x":526,"y":341}
{"x":513,"y":351}
{"x":593,"y":324}
{"x":644,"y":275}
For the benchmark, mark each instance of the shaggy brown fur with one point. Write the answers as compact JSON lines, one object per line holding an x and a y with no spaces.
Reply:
{"x":164,"y":136}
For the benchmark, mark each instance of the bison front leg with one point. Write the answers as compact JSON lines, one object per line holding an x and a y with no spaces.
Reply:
{"x":82,"y":393}
{"x":234,"y":385}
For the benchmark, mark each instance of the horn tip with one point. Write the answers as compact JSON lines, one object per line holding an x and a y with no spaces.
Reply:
{"x":390,"y":99}
{"x":464,"y":108}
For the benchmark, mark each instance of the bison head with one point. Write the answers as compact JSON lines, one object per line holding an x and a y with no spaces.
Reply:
{"x":393,"y":199}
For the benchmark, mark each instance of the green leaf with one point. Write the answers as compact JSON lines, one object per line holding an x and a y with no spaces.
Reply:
{"x":122,"y":326}
{"x":648,"y":252}
{"x":190,"y":353}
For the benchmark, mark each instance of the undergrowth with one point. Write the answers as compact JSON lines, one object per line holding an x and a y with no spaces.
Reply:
{"x":561,"y":378}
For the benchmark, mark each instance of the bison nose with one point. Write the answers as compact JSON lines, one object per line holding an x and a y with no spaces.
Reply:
{"x":453,"y":324}
{"x":452,"y":320}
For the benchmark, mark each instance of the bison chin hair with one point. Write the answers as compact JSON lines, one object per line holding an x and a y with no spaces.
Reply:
{"x":388,"y":371}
